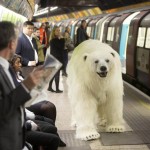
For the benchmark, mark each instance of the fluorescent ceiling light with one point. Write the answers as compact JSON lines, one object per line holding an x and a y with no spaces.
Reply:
{"x":42,"y":11}
{"x":53,"y":8}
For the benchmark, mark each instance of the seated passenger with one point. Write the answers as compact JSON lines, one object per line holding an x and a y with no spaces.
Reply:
{"x":41,"y":131}
{"x":38,"y":113}
{"x":44,"y":107}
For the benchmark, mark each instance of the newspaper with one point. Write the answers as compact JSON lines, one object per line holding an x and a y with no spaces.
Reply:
{"x":51,"y":67}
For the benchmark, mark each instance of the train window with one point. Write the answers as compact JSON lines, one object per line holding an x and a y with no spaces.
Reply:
{"x":88,"y":31}
{"x":141,"y":36}
{"x":117,"y":34}
{"x":147,"y":44}
{"x":143,"y":60}
{"x":110,"y":34}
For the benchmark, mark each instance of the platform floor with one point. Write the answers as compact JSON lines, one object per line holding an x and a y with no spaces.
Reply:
{"x":137,"y":122}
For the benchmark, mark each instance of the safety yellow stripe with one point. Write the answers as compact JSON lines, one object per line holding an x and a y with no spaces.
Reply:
{"x":146,"y":105}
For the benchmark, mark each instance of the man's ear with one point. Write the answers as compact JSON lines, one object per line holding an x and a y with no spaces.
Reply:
{"x":85,"y":57}
{"x":12,"y":44}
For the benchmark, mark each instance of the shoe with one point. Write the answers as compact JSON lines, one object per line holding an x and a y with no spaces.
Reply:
{"x":50,"y":89}
{"x":62,"y":144}
{"x":64,"y":74}
{"x":58,"y":91}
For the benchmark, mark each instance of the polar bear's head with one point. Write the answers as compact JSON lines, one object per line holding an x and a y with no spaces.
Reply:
{"x":100,"y":63}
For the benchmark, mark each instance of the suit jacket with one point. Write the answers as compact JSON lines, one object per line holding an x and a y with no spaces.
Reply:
{"x":25,"y":49}
{"x":81,"y":35}
{"x":11,"y":131}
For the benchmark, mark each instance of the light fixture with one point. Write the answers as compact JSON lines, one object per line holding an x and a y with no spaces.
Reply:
{"x":42,"y":11}
{"x":53,"y":8}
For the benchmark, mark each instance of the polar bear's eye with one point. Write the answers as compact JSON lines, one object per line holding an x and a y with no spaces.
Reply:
{"x":113,"y":54}
{"x":107,"y":60}
{"x":96,"y":61}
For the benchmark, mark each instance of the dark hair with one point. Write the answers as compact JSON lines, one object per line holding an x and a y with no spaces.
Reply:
{"x":13,"y":60}
{"x":35,"y":29}
{"x":12,"y":63}
{"x":28,"y":23}
{"x":7,"y":33}
{"x":82,"y":21}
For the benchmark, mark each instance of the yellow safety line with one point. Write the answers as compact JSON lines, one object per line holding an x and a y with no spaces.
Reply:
{"x":147,"y":105}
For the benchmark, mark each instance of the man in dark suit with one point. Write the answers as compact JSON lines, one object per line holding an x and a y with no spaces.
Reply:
{"x":27,"y":47}
{"x":12,"y":96}
{"x":81,"y":33}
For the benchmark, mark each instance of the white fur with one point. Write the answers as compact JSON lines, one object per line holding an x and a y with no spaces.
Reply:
{"x":95,"y":100}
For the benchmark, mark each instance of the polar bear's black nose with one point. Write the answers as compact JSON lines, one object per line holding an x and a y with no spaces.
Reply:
{"x":103,"y":68}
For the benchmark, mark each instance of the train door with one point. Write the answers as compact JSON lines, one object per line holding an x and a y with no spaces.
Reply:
{"x":99,"y":27}
{"x":118,"y":29}
{"x":61,"y":26}
{"x":143,"y":52}
{"x":110,"y":31}
{"x":104,"y":29}
{"x":89,"y":28}
{"x":72,"y":28}
{"x":70,"y":25}
{"x":93,"y":26}
{"x":124,"y":39}
{"x":131,"y":44}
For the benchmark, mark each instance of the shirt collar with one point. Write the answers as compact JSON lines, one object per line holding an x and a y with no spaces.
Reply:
{"x":30,"y":38}
{"x":4,"y":63}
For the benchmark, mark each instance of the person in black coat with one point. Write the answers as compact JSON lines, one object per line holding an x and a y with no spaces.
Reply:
{"x":12,"y":96}
{"x":81,"y":33}
{"x":57,"y":45}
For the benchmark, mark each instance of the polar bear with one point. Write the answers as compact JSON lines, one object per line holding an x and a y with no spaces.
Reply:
{"x":95,"y":89}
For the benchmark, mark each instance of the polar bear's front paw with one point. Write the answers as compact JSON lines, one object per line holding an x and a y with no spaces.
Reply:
{"x":115,"y":128}
{"x":86,"y":135}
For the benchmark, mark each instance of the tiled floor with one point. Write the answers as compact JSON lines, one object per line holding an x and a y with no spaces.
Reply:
{"x":64,"y":117}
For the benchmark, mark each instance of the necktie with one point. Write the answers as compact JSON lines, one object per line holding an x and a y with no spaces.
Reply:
{"x":13,"y":75}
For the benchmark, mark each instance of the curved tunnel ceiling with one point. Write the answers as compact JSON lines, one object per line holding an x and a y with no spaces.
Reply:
{"x":103,"y":4}
{"x":26,"y":7}
{"x":68,"y":6}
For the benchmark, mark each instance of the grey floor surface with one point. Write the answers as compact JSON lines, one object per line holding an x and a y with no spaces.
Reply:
{"x":138,"y":126}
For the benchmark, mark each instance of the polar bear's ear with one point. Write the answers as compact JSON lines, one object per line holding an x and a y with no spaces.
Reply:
{"x":84,"y":57}
{"x":112,"y":54}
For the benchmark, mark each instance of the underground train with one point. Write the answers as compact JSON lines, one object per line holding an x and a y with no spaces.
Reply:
{"x":128,"y":33}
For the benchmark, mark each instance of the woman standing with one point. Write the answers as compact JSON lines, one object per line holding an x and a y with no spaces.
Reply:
{"x":57,"y":44}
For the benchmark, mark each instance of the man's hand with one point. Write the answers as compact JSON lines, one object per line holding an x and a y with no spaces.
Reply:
{"x":32,"y":63}
{"x":34,"y":78}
